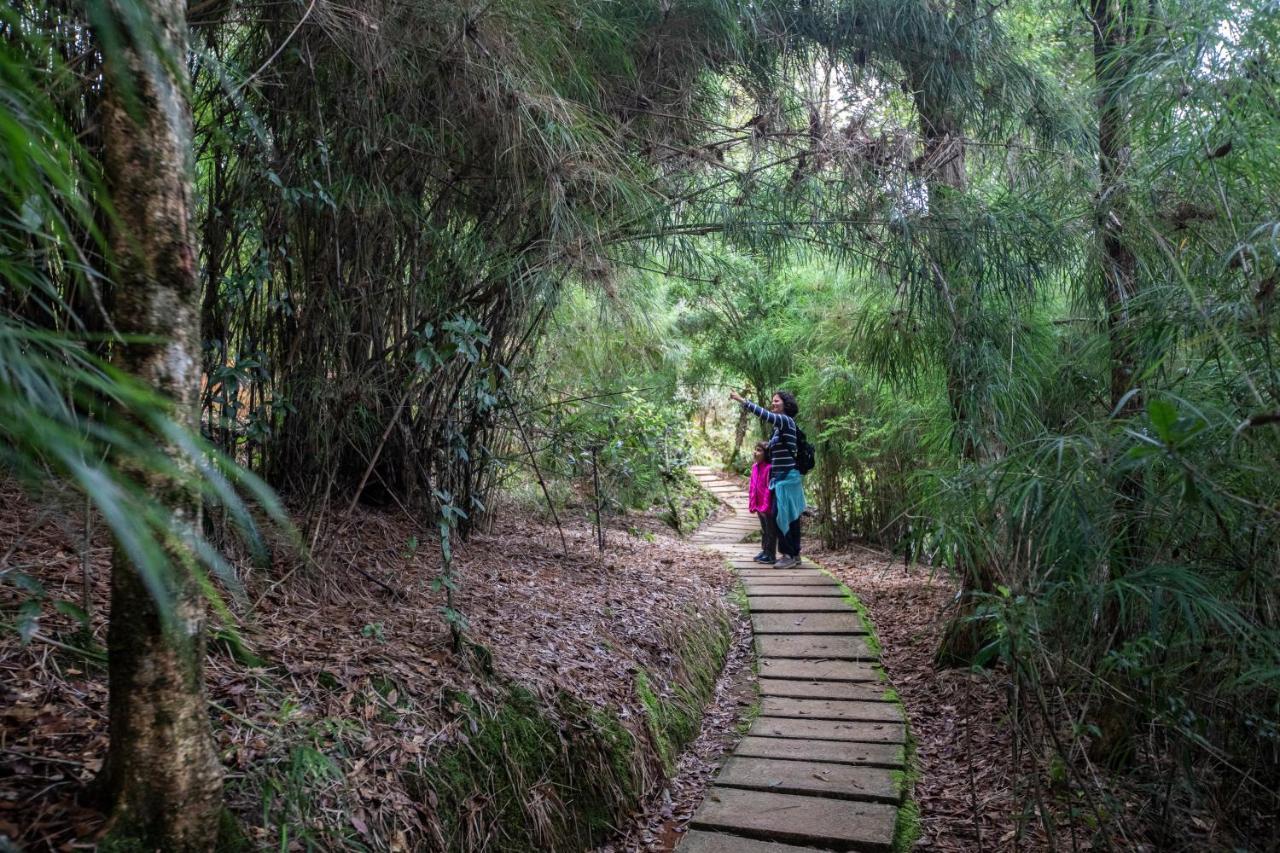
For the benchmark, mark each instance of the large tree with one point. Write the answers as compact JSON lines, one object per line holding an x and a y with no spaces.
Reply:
{"x":162,"y":772}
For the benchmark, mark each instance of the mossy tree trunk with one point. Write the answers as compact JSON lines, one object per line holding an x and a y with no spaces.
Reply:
{"x":162,"y":774}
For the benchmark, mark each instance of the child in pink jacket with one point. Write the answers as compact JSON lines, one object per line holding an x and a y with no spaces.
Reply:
{"x":760,"y":501}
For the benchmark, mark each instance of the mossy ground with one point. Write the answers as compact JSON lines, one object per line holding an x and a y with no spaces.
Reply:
{"x":674,"y":715}
{"x":557,"y":774}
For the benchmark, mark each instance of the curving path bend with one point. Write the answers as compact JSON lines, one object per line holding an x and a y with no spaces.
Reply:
{"x":821,"y":767}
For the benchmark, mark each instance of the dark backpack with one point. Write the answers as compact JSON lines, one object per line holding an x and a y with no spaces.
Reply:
{"x":805,"y":453}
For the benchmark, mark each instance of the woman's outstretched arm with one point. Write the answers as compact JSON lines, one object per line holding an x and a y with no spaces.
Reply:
{"x":759,"y":411}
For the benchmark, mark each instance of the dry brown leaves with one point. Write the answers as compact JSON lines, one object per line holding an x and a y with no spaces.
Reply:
{"x":352,"y":673}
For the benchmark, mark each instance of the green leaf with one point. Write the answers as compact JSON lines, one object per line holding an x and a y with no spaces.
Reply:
{"x":1164,"y":417}
{"x":28,"y":620}
{"x":75,"y":611}
{"x":24,"y":581}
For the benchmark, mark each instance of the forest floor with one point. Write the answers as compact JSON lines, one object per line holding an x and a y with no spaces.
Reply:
{"x":353,"y":678}
{"x":369,"y":678}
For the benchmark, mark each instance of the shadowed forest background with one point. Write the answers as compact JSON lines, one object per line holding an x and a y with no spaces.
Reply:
{"x":352,"y":358}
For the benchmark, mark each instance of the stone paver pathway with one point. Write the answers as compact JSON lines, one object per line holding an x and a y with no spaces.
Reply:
{"x":821,"y":767}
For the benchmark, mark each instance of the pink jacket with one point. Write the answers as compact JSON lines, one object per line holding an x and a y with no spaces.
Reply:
{"x":759,"y":496}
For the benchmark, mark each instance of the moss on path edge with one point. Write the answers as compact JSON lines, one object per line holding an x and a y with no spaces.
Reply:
{"x":556,"y":773}
{"x":907,"y":828}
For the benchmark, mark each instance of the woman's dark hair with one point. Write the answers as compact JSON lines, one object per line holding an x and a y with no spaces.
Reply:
{"x":789,"y":404}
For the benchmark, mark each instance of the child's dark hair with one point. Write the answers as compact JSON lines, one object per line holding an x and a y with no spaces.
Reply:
{"x":789,"y":405}
{"x":762,"y":446}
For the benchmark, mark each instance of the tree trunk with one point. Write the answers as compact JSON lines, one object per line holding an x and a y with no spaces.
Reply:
{"x":1112,"y":32}
{"x":162,"y":773}
{"x":1113,"y":22}
{"x":739,"y":435}
{"x":944,"y":170}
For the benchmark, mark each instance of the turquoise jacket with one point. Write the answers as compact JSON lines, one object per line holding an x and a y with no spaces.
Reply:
{"x":788,"y":498}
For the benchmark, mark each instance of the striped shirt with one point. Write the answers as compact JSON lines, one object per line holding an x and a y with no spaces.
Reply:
{"x":783,"y":444}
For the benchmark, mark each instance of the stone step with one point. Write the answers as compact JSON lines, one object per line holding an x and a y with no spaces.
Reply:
{"x":815,"y":647}
{"x":774,"y":588}
{"x":797,"y":604}
{"x":836,"y":730}
{"x":760,"y":573}
{"x":819,"y":670}
{"x":796,"y":689}
{"x":815,"y":821}
{"x":783,"y":776}
{"x":698,"y":841}
{"x":807,"y":623}
{"x":889,"y":755}
{"x":830,"y":709}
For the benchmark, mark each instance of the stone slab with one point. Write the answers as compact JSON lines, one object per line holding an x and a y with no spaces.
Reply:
{"x":818,"y":670}
{"x":807,"y":623}
{"x":797,"y":604}
{"x":772,"y":588}
{"x":830,"y":709}
{"x":838,"y":690}
{"x":836,"y":730}
{"x":843,"y":781}
{"x":743,"y":552}
{"x":889,"y":755}
{"x":814,"y":646}
{"x":813,"y":821}
{"x":698,"y":841}
{"x":797,"y":577}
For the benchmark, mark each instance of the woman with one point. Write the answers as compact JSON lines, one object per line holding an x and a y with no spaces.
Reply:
{"x":784,"y":479}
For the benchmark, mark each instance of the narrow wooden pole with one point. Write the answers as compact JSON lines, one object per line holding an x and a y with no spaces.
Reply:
{"x":595,"y":475}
